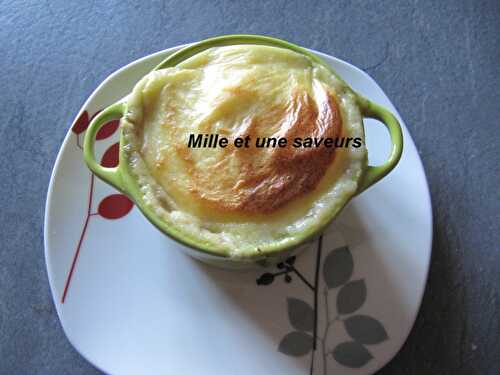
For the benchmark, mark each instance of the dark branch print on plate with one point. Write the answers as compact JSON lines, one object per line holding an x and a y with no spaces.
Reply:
{"x":113,"y":206}
{"x":337,"y":270}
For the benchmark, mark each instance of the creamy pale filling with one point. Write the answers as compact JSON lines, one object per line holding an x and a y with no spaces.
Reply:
{"x":243,"y":199}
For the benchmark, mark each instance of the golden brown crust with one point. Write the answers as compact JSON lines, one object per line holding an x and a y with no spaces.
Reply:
{"x":268,"y":178}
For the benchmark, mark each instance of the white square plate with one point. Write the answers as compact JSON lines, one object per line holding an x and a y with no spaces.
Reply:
{"x":131,"y":303}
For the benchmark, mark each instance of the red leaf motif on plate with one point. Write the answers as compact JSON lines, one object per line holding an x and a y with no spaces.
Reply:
{"x":115,"y":206}
{"x":111,"y":156}
{"x":81,"y":124}
{"x":107,"y":129}
{"x":95,"y":114}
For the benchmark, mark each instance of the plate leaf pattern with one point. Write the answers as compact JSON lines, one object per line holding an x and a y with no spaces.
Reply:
{"x":301,"y":315}
{"x":107,"y":130}
{"x":338,"y":267}
{"x":296,"y":344}
{"x":114,"y":206}
{"x":265,"y":279}
{"x":365,"y":329}
{"x":351,"y":354}
{"x":337,"y":270}
{"x":81,"y":124}
{"x":110,"y":157}
{"x":351,"y":297}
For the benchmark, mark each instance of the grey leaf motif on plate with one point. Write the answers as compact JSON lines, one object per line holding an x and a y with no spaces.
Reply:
{"x":296,"y":344}
{"x":351,"y":354}
{"x":351,"y":297}
{"x":338,"y":267}
{"x":301,"y":315}
{"x":365,"y":329}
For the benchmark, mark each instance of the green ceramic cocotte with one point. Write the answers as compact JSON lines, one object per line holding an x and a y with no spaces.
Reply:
{"x":122,"y":178}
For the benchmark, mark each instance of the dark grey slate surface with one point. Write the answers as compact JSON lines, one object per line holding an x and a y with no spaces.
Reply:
{"x":438,"y":61}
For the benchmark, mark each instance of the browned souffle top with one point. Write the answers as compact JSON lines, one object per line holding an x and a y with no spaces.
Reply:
{"x":269,"y":177}
{"x":235,"y":100}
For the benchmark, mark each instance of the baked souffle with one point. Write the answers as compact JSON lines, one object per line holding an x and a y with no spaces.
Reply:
{"x":243,"y":200}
